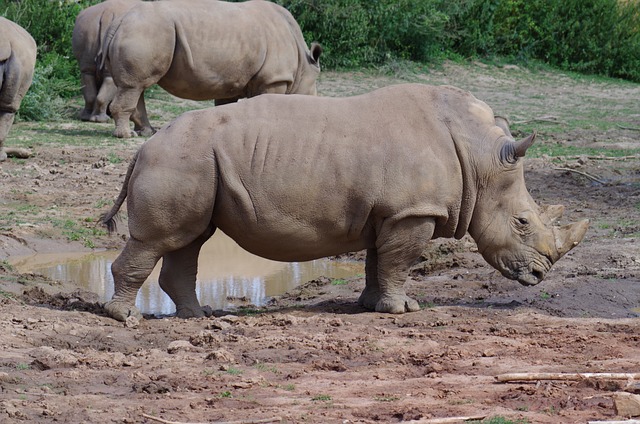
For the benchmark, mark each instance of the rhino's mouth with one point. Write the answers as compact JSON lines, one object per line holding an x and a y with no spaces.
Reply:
{"x":533,"y":273}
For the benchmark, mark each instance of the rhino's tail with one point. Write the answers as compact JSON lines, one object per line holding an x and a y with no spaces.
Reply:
{"x":109,"y":219}
{"x":105,"y":41}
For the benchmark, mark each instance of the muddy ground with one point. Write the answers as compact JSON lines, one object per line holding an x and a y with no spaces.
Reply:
{"x":312,"y":355}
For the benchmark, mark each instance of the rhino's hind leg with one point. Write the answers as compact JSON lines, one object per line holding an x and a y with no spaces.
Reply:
{"x":130,"y":270}
{"x":142,"y":126}
{"x":89,"y":90}
{"x":106,"y":93}
{"x":398,"y":246}
{"x":122,"y":107}
{"x":178,"y":277}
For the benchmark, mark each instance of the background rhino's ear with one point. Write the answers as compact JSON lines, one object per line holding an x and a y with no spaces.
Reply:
{"x":316,"y":51}
{"x":511,"y":151}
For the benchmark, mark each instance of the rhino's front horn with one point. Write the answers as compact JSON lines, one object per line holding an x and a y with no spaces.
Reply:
{"x":521,"y":146}
{"x":569,"y":236}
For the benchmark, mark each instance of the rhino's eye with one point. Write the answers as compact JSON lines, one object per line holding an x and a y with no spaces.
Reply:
{"x":522,"y":221}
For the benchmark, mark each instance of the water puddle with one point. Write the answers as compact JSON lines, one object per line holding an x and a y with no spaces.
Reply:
{"x":227,"y":275}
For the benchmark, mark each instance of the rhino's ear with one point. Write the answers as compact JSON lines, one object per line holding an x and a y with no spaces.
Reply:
{"x":503,"y":123}
{"x":511,"y":151}
{"x":316,"y":51}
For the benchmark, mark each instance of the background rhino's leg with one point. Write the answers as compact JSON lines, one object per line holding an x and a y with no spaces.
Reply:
{"x":122,"y":107}
{"x":89,"y":92}
{"x":178,"y":277}
{"x":106,"y":93}
{"x":130,"y":270}
{"x":399,"y":245}
{"x":6,"y":120}
{"x":142,"y":126}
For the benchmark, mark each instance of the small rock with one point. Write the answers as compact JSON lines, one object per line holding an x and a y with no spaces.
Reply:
{"x":132,"y":322}
{"x":182,"y":346}
{"x":626,"y":404}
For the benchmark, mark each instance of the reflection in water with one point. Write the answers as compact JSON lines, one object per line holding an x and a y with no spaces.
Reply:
{"x":226,"y":273}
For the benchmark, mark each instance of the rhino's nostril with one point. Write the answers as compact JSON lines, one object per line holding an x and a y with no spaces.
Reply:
{"x":539,"y":275}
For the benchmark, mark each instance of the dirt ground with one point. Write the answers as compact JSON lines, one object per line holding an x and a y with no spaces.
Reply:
{"x":312,"y":355}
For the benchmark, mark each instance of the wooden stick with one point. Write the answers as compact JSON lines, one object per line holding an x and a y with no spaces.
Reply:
{"x":549,"y":119}
{"x":257,"y":421}
{"x":447,"y":420}
{"x":615,"y":422}
{"x":602,"y":157}
{"x":591,"y":177}
{"x":628,"y":128}
{"x":526,"y":376}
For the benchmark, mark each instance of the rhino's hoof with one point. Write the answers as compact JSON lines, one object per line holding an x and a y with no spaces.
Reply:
{"x":85,"y":115}
{"x":127,"y":133}
{"x":121,"y":311}
{"x":101,"y":118}
{"x":190,"y":312}
{"x":397,"y":305}
{"x":146,"y":132}
{"x":3,"y":155}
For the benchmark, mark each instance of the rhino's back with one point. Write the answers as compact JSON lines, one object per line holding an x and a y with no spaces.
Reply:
{"x":315,"y":169}
{"x":209,"y":48}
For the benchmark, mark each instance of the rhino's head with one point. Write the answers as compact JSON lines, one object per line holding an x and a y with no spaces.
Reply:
{"x":309,"y":72}
{"x":513,"y":233}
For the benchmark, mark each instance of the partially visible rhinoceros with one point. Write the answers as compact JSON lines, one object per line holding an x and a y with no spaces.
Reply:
{"x":203,"y":50}
{"x":17,"y":62}
{"x":89,"y":31}
{"x":294,"y":178}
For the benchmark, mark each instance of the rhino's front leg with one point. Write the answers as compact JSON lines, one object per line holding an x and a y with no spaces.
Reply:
{"x":398,"y":246}
{"x":178,"y":278}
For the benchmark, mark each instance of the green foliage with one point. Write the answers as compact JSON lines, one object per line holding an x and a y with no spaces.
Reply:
{"x":589,"y":36}
{"x":358,"y":33}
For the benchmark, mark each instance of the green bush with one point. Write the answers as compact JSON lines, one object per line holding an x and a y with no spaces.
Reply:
{"x":589,"y":36}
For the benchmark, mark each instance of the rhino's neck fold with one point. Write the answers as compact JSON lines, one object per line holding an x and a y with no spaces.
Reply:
{"x":469,"y":189}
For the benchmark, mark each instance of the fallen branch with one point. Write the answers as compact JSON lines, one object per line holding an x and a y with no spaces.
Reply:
{"x":549,"y":119}
{"x":447,"y":420}
{"x":526,"y":376}
{"x":591,"y":177}
{"x":257,"y":421}
{"x":601,"y":157}
{"x":615,"y":422}
{"x":628,"y":128}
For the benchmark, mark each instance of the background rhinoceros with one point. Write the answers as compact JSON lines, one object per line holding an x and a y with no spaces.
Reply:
{"x":17,"y":61}
{"x":202,"y":50}
{"x":89,"y":31}
{"x":293,"y":178}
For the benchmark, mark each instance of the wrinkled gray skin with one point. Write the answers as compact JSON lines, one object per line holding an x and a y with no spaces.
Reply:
{"x":17,"y":61}
{"x":203,"y":50}
{"x":294,"y":178}
{"x":89,"y":31}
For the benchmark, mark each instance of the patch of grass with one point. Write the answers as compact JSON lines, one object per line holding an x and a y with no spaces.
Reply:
{"x":23,"y":366}
{"x":77,"y":232}
{"x":114,"y":158}
{"x":289,"y":387}
{"x":556,"y":150}
{"x":339,"y":282}
{"x":545,"y":296}
{"x":234,"y":371}
{"x":321,"y":398}
{"x":225,"y":394}
{"x":264,"y":367}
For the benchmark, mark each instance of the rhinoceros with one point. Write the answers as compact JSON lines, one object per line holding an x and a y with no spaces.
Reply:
{"x":294,"y":178}
{"x":89,"y":31}
{"x":204,"y":50}
{"x":17,"y":62}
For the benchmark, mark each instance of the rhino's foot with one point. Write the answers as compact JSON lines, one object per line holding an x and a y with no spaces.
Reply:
{"x":124,"y":133}
{"x":398,"y":304}
{"x":121,"y":311}
{"x":191,"y":312}
{"x":146,"y":132}
{"x":369,"y":299}
{"x":85,"y":115}
{"x":101,"y":118}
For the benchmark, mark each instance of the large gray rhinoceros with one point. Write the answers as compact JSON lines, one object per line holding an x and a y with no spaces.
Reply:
{"x":89,"y":31}
{"x":203,"y":50}
{"x":294,"y":178}
{"x":17,"y":61}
